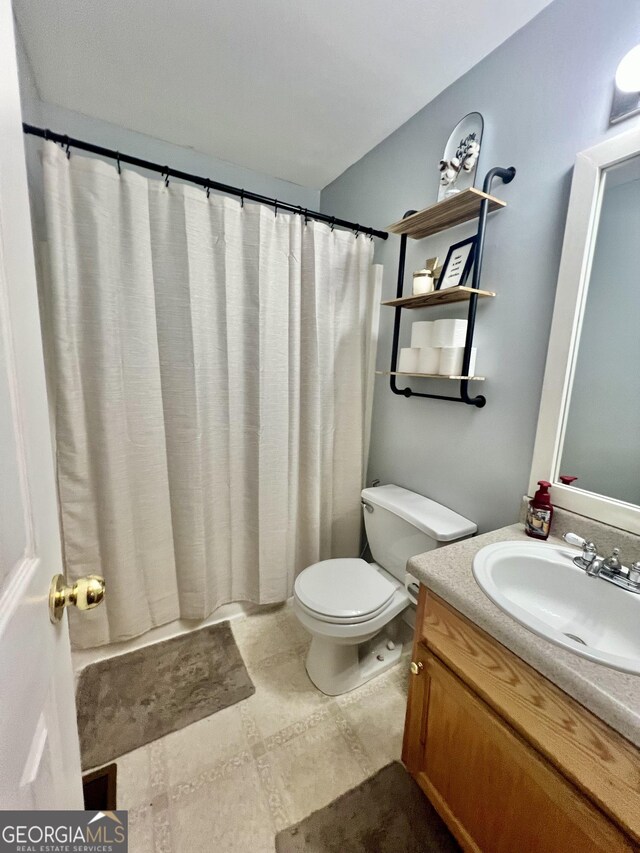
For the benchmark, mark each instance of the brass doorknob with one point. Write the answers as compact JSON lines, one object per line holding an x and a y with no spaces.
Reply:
{"x":85,"y":594}
{"x":416,"y":668}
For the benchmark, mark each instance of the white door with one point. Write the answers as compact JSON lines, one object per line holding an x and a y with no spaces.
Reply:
{"x":39,"y":753}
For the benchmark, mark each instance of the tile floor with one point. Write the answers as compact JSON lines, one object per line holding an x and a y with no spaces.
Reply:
{"x":229,"y":782}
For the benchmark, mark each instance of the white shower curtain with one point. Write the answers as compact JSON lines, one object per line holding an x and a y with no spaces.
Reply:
{"x":211,"y":378}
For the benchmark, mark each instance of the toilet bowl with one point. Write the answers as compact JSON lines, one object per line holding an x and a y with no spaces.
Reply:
{"x":352,"y":608}
{"x":341,"y":655}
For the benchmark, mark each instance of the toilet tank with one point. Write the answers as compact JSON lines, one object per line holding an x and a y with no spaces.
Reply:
{"x":401,"y":524}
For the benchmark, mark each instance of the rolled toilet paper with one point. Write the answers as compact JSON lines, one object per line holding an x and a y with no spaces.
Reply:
{"x":451,"y":359}
{"x":449,"y":333}
{"x":429,"y":360}
{"x":408,"y":360}
{"x":422,"y":333}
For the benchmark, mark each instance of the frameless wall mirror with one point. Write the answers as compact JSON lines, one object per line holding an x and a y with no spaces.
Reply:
{"x":589,"y":425}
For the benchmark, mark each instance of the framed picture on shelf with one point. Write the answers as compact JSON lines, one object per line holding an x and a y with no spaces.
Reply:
{"x":457,"y":265}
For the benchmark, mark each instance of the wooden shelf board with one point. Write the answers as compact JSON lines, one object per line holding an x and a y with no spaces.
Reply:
{"x":428,"y":375}
{"x":437,"y":297}
{"x":447,"y":213}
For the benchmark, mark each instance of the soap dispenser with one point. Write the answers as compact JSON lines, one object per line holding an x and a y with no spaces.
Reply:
{"x":539,"y":513}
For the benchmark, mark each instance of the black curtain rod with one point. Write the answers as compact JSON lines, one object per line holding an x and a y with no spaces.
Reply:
{"x":207,"y":184}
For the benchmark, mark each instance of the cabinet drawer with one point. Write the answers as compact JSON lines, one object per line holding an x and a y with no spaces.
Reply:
{"x":495,"y":791}
{"x":601,"y":763}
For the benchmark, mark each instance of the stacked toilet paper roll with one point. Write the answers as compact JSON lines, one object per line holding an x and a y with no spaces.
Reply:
{"x":449,"y":333}
{"x":422,"y":334}
{"x":408,"y":360}
{"x":437,"y":347}
{"x":451,"y":359}
{"x":429,"y":360}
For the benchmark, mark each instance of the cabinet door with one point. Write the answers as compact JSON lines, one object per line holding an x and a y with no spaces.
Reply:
{"x":494,"y":791}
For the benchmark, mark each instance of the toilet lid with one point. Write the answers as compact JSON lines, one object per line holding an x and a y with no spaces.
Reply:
{"x":343,"y":588}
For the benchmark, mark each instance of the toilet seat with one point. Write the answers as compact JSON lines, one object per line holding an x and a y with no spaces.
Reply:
{"x":343,"y":591}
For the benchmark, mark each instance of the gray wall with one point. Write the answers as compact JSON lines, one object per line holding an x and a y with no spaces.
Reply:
{"x":602,"y":439}
{"x":545,"y":94}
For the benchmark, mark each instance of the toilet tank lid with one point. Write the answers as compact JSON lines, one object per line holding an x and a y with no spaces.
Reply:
{"x":437,"y":521}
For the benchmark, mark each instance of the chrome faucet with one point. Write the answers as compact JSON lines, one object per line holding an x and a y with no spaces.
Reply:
{"x":594,"y":568}
{"x":609,"y":568}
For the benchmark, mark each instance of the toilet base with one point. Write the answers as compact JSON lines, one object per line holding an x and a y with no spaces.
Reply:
{"x":337,"y":669}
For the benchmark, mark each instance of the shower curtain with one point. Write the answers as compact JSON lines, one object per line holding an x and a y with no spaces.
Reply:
{"x":210,"y":374}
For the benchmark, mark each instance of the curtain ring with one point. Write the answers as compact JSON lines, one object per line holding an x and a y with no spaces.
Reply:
{"x":242,"y":198}
{"x":118,"y":163}
{"x":46,"y":134}
{"x":165,"y":175}
{"x":207,"y":187}
{"x":275,"y":208}
{"x":306,"y":217}
{"x":67,"y":148}
{"x":357,"y":231}
{"x":333,"y":223}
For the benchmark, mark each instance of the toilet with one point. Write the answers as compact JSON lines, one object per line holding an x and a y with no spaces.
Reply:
{"x":350,"y":607}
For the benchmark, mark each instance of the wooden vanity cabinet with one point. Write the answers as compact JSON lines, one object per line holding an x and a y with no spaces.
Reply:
{"x":511,"y":763}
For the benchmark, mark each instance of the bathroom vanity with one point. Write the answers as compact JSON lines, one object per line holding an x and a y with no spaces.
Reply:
{"x":510,"y":760}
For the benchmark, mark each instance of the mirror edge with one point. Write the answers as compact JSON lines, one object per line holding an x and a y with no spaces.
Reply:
{"x":573,"y":277}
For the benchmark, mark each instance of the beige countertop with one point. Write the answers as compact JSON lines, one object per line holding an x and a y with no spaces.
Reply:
{"x":611,"y":695}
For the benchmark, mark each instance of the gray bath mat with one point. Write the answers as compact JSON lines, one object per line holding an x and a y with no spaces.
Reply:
{"x":387,"y":813}
{"x":129,"y":700}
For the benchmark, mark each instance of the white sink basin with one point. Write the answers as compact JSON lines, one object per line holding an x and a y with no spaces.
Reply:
{"x":538,"y":585}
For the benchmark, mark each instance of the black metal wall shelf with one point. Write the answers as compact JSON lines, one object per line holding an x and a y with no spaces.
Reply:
{"x":447,"y":213}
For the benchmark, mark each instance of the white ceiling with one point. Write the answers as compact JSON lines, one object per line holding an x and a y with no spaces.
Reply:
{"x":296,"y":89}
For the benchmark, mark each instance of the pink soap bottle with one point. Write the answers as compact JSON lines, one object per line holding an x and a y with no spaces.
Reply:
{"x":540,"y":513}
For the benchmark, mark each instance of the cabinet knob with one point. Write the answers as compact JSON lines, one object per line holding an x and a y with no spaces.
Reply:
{"x":416,"y":668}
